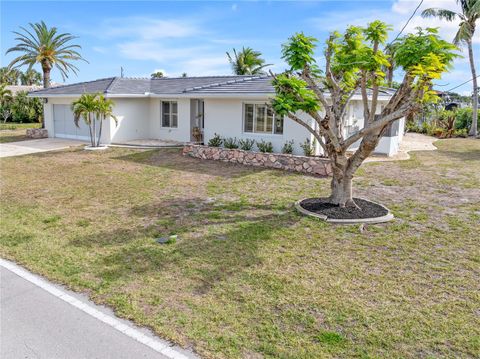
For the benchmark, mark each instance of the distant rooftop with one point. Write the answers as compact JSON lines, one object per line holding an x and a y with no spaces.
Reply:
{"x":213,"y":85}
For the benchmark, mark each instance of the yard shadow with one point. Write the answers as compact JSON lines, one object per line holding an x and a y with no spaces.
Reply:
{"x":215,"y":242}
{"x":174,"y":160}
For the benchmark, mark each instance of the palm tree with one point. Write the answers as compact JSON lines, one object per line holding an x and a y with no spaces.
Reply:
{"x":93,"y":107}
{"x":104,"y":110}
{"x":247,"y":62}
{"x":5,"y":99}
{"x":5,"y":94}
{"x":45,"y":46}
{"x":31,"y":77}
{"x":470,"y":13}
{"x":9,"y":76}
{"x":85,"y":107}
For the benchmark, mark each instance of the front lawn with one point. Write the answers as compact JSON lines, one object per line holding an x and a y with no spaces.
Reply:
{"x":13,"y":132}
{"x":249,"y":277}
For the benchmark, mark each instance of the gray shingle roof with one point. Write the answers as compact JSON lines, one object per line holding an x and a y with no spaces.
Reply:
{"x":222,"y":85}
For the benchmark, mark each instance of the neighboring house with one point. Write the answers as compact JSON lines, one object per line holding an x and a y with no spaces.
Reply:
{"x":169,"y":108}
{"x":22,"y":88}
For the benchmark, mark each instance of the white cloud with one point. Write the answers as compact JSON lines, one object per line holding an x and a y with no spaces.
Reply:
{"x":99,"y":49}
{"x":151,"y":50}
{"x":150,"y":28}
{"x":206,"y":66}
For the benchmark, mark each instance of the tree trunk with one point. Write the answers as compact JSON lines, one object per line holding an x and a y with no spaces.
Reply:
{"x":473,"y":128}
{"x":341,"y":184}
{"x":90,"y":124}
{"x":46,"y":81}
{"x":94,"y":141}
{"x":100,"y":132}
{"x":46,"y":76}
{"x":342,"y":194}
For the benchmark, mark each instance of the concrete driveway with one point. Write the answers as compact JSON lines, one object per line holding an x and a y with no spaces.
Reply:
{"x":42,"y":320}
{"x":20,"y":148}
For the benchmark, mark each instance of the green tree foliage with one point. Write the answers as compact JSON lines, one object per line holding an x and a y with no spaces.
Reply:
{"x":467,"y":16}
{"x":157,"y":75}
{"x":31,"y":77}
{"x":9,"y":76}
{"x":26,"y":109}
{"x":356,"y":61}
{"x":247,"y":62}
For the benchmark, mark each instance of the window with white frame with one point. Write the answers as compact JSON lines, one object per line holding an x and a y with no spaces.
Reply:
{"x":258,"y":118}
{"x":169,"y":114}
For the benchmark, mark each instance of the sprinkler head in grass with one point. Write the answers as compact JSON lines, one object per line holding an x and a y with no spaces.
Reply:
{"x":167,"y":240}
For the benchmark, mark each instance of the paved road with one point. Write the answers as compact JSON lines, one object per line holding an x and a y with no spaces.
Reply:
{"x":20,"y":148}
{"x":38,"y":324}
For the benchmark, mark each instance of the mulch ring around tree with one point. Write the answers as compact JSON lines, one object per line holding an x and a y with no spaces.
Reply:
{"x":368,"y":212}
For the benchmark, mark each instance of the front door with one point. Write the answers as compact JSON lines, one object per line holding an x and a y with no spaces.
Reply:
{"x":196,"y":120}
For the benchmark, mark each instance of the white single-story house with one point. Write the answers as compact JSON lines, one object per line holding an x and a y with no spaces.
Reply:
{"x":168,"y":109}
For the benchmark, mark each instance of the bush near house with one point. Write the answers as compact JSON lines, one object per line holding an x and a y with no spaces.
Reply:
{"x":445,"y":123}
{"x":264,"y":146}
{"x":22,"y":109}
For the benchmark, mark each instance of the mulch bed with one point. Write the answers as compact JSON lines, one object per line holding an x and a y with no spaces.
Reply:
{"x":321,"y":206}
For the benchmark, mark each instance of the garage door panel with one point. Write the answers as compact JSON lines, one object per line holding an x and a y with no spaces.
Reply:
{"x":59,"y":119}
{"x":70,"y":128}
{"x":65,"y":127}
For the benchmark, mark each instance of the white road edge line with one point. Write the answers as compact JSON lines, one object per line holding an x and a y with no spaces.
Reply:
{"x":133,"y":333}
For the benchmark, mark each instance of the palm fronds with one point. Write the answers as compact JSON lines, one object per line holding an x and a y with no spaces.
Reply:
{"x":44,"y":45}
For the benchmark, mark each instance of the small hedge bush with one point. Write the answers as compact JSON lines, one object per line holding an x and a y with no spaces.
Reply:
{"x":246,"y":144}
{"x":263,"y":146}
{"x":215,"y":141}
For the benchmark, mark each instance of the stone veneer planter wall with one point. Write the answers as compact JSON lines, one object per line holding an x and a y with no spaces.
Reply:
{"x":37,"y":133}
{"x":310,"y":165}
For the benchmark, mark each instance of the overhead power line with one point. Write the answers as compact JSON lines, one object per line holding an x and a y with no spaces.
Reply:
{"x":409,"y":19}
{"x":463,"y":83}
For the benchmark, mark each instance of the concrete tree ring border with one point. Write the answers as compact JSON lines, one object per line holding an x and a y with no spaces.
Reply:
{"x":386,"y":218}
{"x":97,"y":148}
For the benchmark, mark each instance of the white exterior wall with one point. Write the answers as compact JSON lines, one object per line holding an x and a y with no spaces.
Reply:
{"x":133,"y":119}
{"x":225,"y":117}
{"x":49,"y":121}
{"x":140,"y":118}
{"x":181,"y":133}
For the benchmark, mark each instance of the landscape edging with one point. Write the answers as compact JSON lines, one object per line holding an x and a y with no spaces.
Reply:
{"x":372,"y":220}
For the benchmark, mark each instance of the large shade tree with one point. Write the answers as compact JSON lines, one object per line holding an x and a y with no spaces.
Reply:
{"x":467,"y":17}
{"x":247,"y":62}
{"x":45,"y":46}
{"x":354,"y":61}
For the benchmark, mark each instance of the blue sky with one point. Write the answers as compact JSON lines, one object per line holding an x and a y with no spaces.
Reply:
{"x":192,"y":37}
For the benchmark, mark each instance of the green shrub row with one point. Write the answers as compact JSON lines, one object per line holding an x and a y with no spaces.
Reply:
{"x":262,"y":145}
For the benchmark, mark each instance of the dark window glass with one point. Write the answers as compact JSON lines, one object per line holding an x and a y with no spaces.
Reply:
{"x":248,"y":118}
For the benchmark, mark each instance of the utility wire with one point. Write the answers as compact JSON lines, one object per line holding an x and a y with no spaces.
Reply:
{"x":463,"y":83}
{"x":409,"y":19}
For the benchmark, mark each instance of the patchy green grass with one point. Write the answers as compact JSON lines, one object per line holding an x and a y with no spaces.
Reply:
{"x":13,"y":132}
{"x":247,"y":276}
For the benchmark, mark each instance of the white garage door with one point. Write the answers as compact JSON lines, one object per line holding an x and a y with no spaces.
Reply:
{"x":64,"y":126}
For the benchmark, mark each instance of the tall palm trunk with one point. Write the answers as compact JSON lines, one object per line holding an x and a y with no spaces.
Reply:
{"x":46,"y":81}
{"x":473,"y":128}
